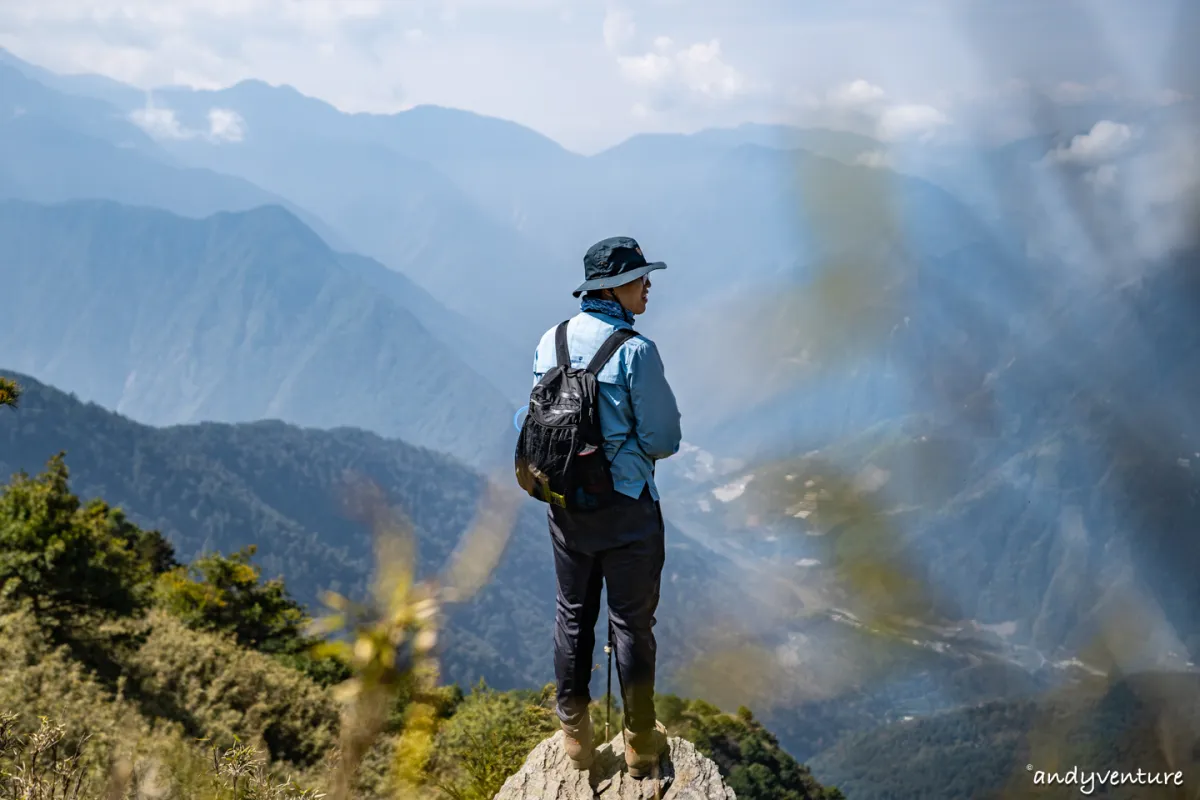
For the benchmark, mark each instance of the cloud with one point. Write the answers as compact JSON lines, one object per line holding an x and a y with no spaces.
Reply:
{"x":491,"y":56}
{"x":904,"y":121}
{"x":619,"y":30}
{"x":865,"y":106}
{"x":696,"y":70}
{"x":703,"y":70}
{"x":1142,"y":204}
{"x":160,"y":123}
{"x":855,"y":94}
{"x":1105,"y":141}
{"x":670,"y":73}
{"x":224,"y":124}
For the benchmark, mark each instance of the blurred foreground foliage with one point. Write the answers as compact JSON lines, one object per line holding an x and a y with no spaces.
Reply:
{"x":130,"y":675}
{"x":10,"y":392}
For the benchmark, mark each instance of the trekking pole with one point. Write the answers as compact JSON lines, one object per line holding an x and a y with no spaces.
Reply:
{"x":608,"y":694}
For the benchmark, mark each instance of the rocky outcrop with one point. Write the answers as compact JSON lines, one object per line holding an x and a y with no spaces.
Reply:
{"x":684,"y":774}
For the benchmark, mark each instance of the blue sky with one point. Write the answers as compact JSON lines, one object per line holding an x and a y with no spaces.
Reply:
{"x":589,"y":74}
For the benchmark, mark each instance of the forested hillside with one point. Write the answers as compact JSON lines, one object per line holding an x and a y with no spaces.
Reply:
{"x":222,"y":487}
{"x":1141,"y":722}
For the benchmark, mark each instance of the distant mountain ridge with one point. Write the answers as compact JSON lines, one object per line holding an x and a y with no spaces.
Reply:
{"x":235,"y":317}
{"x":56,"y":147}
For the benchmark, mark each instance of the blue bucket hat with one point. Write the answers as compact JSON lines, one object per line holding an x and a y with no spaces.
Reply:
{"x":614,"y":262}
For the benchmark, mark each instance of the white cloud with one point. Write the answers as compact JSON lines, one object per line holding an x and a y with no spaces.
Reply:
{"x":225,"y":125}
{"x":160,"y":123}
{"x":491,"y":57}
{"x":619,"y":30}
{"x":904,"y":121}
{"x":698,"y":69}
{"x":704,"y":70}
{"x":855,"y":94}
{"x":669,"y":71}
{"x":650,"y":68}
{"x":1105,"y":141}
{"x":867,"y":107}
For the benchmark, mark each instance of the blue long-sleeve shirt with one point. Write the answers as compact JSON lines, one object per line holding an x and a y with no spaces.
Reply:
{"x":639,"y":418}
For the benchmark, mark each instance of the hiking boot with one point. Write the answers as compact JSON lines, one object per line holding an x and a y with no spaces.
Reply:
{"x":643,"y":750}
{"x":577,"y":742}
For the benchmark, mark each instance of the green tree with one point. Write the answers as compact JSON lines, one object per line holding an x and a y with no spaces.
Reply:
{"x":487,"y":739}
{"x":227,"y":594}
{"x":64,"y":556}
{"x":748,"y":755}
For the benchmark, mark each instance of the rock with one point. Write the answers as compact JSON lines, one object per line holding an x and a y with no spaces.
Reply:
{"x":685,"y":774}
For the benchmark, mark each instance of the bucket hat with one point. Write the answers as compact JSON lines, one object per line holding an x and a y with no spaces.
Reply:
{"x":614,"y":262}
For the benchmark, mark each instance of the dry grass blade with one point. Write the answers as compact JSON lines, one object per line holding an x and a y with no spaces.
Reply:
{"x":391,"y":639}
{"x":483,"y":543}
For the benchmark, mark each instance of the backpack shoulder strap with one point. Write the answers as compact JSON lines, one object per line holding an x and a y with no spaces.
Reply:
{"x":560,"y":344}
{"x":614,"y":340}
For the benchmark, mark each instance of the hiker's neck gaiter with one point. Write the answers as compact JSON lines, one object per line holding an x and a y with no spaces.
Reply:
{"x":610,"y":307}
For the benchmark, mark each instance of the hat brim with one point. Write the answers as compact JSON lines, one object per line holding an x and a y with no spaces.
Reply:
{"x":618,"y":280}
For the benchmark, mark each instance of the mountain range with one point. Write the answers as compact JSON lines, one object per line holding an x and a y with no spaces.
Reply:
{"x":234,"y":317}
{"x":492,"y":219}
{"x":215,"y":486}
{"x":941,"y":444}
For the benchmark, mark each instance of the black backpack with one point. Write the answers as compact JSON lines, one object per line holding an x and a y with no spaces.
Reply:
{"x":560,"y":451}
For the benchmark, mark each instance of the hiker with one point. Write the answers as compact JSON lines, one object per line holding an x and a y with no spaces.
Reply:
{"x":619,"y":544}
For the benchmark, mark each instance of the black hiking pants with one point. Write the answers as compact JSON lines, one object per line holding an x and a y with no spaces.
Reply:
{"x":621,"y":547}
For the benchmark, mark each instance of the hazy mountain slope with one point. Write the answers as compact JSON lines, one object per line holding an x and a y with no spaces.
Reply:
{"x":56,"y":147}
{"x":233,"y":317}
{"x":378,"y":179}
{"x":492,"y":352}
{"x":1144,"y":722}
{"x":429,"y":134}
{"x":403,"y":213}
{"x":651,"y":147}
{"x":85,"y":85}
{"x":1037,"y":477}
